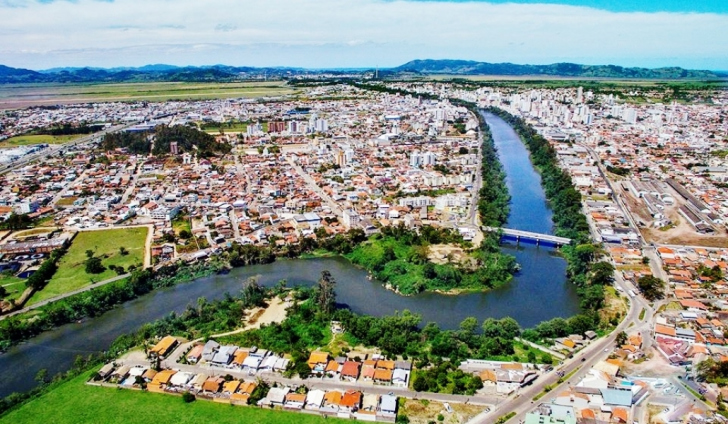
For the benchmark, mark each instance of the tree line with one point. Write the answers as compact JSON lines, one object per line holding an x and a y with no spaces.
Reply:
{"x":583,"y":270}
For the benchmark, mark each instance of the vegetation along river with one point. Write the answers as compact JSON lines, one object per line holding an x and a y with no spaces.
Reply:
{"x":538,"y":292}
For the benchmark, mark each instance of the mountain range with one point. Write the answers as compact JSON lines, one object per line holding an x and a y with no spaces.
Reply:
{"x":223,"y":73}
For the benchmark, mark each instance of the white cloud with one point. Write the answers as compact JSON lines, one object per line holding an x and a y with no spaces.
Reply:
{"x":319,"y":33}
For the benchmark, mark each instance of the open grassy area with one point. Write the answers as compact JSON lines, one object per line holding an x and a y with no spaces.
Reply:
{"x":71,"y":273}
{"x":13,"y":285}
{"x":236,"y":127}
{"x":181,"y":223}
{"x":24,"y":95}
{"x":77,"y":403}
{"x":24,"y":140}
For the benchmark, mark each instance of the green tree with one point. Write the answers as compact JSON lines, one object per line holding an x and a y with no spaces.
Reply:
{"x":652,"y":288}
{"x":325,"y":293}
{"x":123,"y":251}
{"x":94,"y":266}
{"x":621,"y":339}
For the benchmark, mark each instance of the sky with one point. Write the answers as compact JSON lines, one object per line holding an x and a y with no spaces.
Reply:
{"x":42,"y":34}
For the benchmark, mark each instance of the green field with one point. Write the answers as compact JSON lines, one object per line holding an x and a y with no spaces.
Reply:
{"x":23,"y":95}
{"x":71,"y":274}
{"x":13,"y":285}
{"x":74,"y":402}
{"x":25,"y":140}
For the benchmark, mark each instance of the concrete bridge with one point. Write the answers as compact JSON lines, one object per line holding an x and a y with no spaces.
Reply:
{"x":519,"y":235}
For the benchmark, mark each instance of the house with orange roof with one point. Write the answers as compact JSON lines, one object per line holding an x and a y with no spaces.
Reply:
{"x":620,"y":415}
{"x":350,"y":370}
{"x":664,"y":330}
{"x":295,"y":401}
{"x":351,"y":400}
{"x":318,"y":360}
{"x":332,"y":398}
{"x":693,"y":304}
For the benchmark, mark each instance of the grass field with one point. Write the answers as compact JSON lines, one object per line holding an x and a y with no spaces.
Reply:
{"x":24,"y":95}
{"x":13,"y":285}
{"x":25,"y":140}
{"x":71,"y":274}
{"x":237,"y":127}
{"x":74,"y":402}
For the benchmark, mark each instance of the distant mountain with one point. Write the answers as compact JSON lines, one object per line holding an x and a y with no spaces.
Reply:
{"x":467,"y":67}
{"x":148,"y":73}
{"x":19,"y":75}
{"x":224,"y":73}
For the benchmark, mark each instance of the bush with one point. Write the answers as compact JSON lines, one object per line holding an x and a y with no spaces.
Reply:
{"x":188,"y":397}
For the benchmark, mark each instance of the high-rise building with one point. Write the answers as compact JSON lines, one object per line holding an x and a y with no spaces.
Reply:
{"x":276,"y":127}
{"x":173,"y":148}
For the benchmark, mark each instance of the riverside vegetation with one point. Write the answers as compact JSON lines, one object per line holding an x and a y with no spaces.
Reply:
{"x":589,"y":275}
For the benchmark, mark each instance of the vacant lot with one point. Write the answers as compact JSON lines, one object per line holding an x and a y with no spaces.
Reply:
{"x":424,"y":411}
{"x":25,"y":140}
{"x":74,"y":402}
{"x":106,"y":244}
{"x":13,"y":96}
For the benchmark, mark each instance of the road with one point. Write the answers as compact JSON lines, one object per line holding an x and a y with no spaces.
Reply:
{"x":65,"y":295}
{"x":522,"y":402}
{"x":60,"y":148}
{"x":315,"y":188}
{"x":477,"y":184}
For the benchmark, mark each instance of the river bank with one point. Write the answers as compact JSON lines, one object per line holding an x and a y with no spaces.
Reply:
{"x":542,"y":276}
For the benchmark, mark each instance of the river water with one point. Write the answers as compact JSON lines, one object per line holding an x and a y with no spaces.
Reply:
{"x":538,"y":292}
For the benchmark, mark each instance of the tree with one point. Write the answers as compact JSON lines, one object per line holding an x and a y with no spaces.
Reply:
{"x":89,"y":253}
{"x":94,"y":266}
{"x":123,"y":251}
{"x":3,"y":292}
{"x":325,"y":293}
{"x":621,"y":339}
{"x":185,"y":234}
{"x":651,"y":287}
{"x":253,"y":294}
{"x":602,"y":273}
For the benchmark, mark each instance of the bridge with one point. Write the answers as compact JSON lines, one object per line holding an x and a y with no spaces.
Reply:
{"x":539,"y":238}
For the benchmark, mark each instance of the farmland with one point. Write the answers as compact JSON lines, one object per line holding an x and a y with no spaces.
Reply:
{"x":14,"y":96}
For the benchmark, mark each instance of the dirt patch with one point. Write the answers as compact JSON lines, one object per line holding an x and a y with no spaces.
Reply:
{"x":655,"y":366}
{"x":447,"y":253}
{"x":423,"y":411}
{"x":679,"y":233}
{"x":615,"y":306}
{"x":275,"y":312}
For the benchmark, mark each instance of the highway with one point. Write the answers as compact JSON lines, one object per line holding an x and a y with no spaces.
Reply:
{"x":522,"y":402}
{"x":60,"y":148}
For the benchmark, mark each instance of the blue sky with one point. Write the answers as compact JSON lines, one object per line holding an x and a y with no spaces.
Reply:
{"x":699,"y":6}
{"x":362,"y":33}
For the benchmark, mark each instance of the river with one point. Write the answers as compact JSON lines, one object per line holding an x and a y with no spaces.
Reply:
{"x":537,"y":293}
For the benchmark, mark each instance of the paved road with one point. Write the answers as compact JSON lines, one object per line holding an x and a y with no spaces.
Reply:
{"x":46,"y":153}
{"x":64,"y":295}
{"x":477,"y":184}
{"x":315,"y":383}
{"x":315,"y":188}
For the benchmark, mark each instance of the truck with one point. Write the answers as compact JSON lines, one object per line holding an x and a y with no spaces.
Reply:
{"x":632,"y":293}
